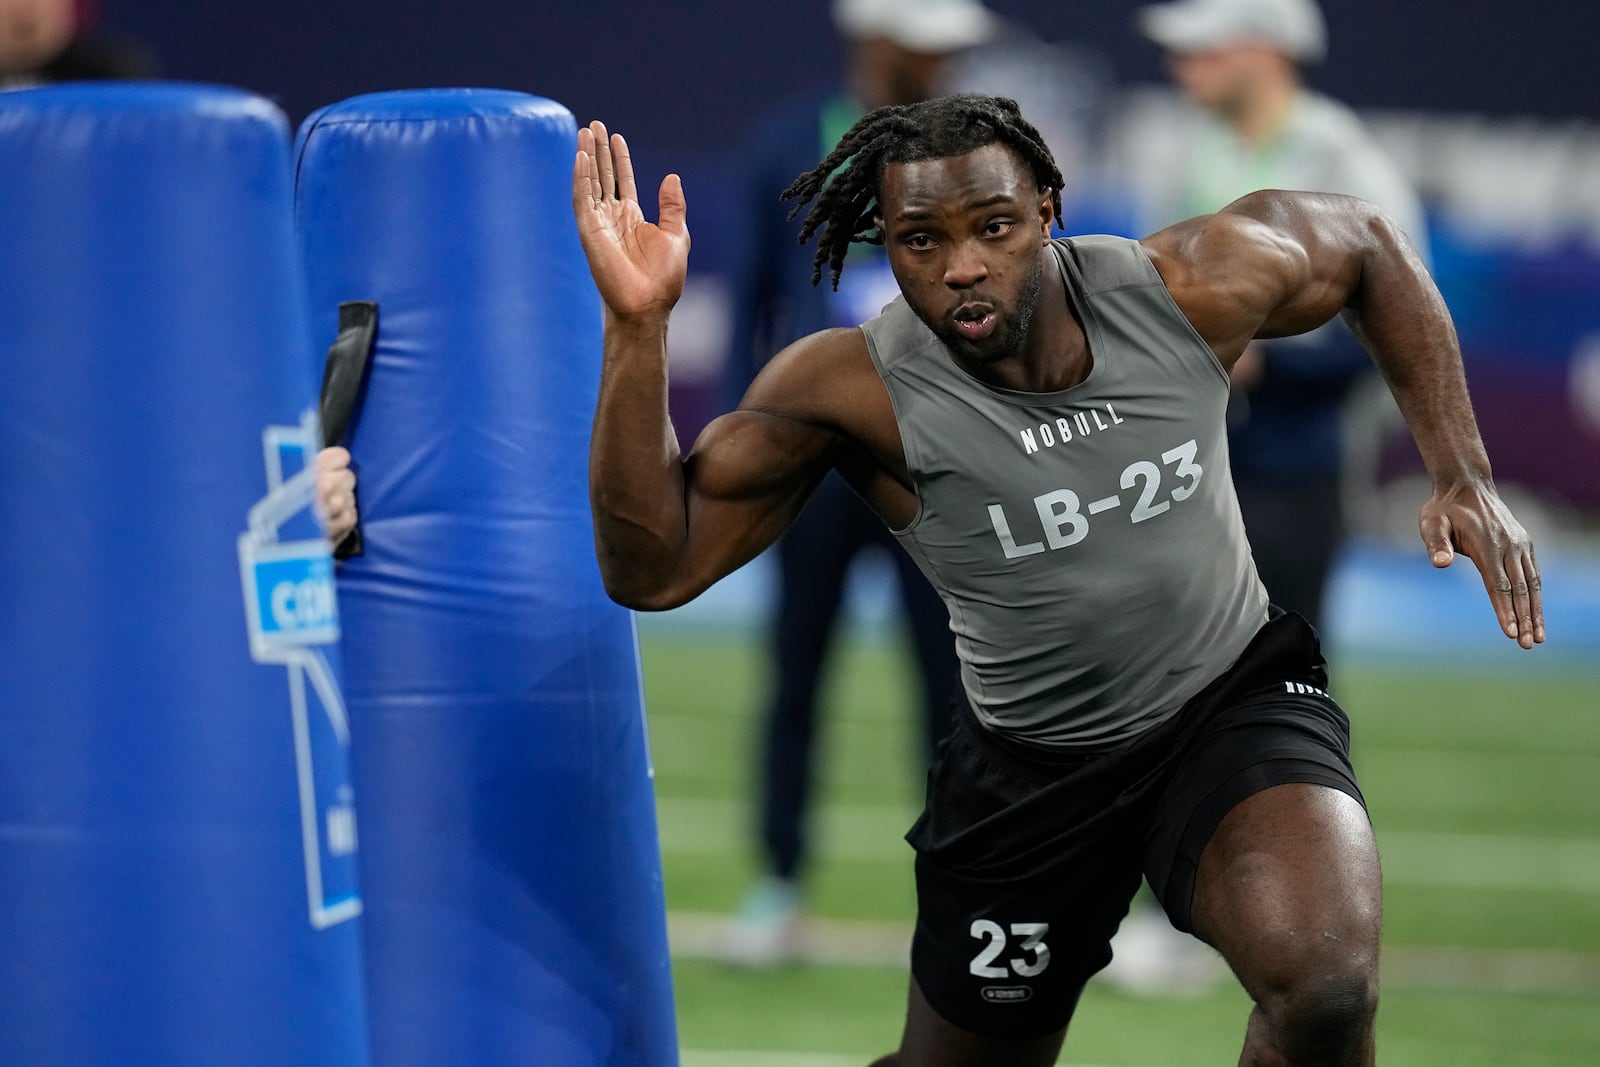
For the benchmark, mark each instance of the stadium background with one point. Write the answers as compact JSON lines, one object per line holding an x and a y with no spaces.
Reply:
{"x":1479,"y":762}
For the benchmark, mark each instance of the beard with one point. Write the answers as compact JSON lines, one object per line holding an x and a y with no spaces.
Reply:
{"x":1012,"y":332}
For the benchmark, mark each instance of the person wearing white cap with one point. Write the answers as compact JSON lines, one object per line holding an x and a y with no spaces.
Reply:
{"x":929,"y":27}
{"x":1241,"y":62}
{"x":899,"y":53}
{"x":1294,"y":27}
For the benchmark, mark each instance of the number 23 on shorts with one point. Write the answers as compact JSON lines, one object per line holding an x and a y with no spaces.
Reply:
{"x":987,"y":963}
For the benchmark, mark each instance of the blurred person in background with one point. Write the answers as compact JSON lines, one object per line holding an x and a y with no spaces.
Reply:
{"x":44,"y":41}
{"x":899,"y":52}
{"x":1067,"y":89}
{"x":1255,"y":125}
{"x":1240,"y":62}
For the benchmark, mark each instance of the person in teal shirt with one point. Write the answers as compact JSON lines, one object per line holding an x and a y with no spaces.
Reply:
{"x":1256,"y":125}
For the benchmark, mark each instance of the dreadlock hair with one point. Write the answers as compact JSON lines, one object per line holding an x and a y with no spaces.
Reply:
{"x":845,"y":184}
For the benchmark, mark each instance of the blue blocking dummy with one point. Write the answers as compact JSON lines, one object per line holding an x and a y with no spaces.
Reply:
{"x":509,"y":857}
{"x":177,"y":845}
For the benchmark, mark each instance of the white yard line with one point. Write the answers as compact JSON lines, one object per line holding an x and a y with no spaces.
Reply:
{"x":833,"y":942}
{"x":863,"y":943}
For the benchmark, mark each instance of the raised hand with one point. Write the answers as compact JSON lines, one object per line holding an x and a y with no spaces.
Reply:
{"x":1475,"y":522}
{"x":638,"y":267}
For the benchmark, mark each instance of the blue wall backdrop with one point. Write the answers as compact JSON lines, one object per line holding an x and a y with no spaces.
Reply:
{"x":690,"y":74}
{"x":1510,"y":161}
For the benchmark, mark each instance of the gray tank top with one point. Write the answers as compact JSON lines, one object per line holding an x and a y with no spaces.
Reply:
{"x":1087,"y":542}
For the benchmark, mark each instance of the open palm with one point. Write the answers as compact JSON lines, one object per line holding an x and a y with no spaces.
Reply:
{"x":638,"y":267}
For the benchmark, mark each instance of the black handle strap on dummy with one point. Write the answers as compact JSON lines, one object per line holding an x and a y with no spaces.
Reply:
{"x":343,"y":377}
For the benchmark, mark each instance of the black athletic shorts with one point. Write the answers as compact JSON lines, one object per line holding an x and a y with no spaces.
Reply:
{"x":1027,"y":859}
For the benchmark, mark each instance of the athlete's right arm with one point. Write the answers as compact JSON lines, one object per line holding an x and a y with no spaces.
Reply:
{"x":668,"y":526}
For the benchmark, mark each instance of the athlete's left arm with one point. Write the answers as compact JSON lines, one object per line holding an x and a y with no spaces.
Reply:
{"x":1277,"y":263}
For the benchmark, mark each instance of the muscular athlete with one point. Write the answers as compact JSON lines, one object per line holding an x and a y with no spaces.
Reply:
{"x":1054,"y":797}
{"x":1287,"y":885}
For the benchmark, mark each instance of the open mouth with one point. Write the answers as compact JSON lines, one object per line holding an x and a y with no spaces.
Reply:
{"x":974,"y":321}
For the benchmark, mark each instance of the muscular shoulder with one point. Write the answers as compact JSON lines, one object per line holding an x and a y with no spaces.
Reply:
{"x":1228,"y":271}
{"x":815,"y":379}
{"x":1216,"y":252}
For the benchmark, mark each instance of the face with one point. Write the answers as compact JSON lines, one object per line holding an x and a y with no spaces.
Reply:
{"x":1215,"y":78}
{"x":966,"y":237}
{"x":33,"y":32}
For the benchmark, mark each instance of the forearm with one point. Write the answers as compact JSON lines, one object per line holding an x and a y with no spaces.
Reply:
{"x":636,"y":475}
{"x":1402,"y":320}
{"x":1398,"y":312}
{"x":1274,"y":264}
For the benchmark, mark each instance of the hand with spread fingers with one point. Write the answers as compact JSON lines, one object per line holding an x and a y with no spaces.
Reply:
{"x":639,"y":267}
{"x":1475,"y":522}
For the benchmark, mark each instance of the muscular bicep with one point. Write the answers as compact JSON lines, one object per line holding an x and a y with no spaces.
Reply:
{"x":1271,"y":264}
{"x":1320,"y":242}
{"x":752,"y":470}
{"x":746,"y":478}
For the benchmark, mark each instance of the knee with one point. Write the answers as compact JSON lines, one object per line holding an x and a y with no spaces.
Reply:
{"x":1319,"y":1006}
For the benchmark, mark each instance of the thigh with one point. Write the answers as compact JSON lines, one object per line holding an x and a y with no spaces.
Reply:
{"x":1289,"y":733}
{"x":1010,"y":958}
{"x":1021,"y":882}
{"x":1289,"y":885}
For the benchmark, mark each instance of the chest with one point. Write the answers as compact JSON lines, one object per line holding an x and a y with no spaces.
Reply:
{"x":1132,"y":456}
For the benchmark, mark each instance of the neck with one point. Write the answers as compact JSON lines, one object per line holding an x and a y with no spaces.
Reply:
{"x":1055,"y":354}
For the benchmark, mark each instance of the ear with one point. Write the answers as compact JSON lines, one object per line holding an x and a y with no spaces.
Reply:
{"x":1047,"y":213}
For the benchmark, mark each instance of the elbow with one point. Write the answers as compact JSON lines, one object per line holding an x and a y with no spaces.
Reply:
{"x":638,"y":591}
{"x":638,"y":599}
{"x":1380,"y":226}
{"x":1379,"y":234}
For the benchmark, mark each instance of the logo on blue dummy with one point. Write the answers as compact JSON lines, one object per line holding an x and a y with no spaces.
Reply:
{"x":292,"y":615}
{"x":294,"y":605}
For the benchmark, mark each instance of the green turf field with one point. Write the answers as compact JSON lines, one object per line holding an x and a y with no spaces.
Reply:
{"x":1482,"y":787}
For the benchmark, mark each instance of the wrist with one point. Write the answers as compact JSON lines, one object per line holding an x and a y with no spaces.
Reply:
{"x":1457,"y":464}
{"x":1465,"y":480}
{"x":638,"y":325}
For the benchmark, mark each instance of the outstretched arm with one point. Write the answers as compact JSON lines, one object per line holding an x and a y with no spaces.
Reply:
{"x":1275,"y":263}
{"x":667,"y":527}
